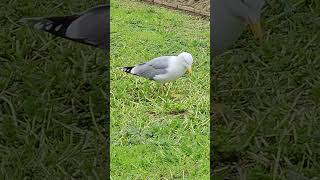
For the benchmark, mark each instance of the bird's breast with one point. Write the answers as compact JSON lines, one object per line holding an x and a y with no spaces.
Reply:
{"x":174,"y":71}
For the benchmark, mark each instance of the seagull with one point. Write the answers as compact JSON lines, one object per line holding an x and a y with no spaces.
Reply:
{"x":163,"y":69}
{"x":229,"y":20}
{"x":90,"y":27}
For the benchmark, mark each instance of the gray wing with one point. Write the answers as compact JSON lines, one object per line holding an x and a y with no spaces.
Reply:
{"x":89,"y":27}
{"x":152,"y":68}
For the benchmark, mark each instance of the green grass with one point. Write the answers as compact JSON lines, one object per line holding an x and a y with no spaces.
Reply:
{"x":152,"y":134}
{"x":269,"y":94}
{"x":52,"y":98}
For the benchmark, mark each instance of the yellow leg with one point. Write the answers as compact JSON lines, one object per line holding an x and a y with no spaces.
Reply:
{"x":163,"y":88}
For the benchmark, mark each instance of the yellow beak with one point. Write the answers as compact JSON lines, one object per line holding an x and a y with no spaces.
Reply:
{"x":257,"y":30}
{"x":189,"y":70}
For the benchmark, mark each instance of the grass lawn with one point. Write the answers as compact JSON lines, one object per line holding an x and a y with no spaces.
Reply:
{"x":52,"y":98}
{"x":152,"y":134}
{"x":269,"y":125}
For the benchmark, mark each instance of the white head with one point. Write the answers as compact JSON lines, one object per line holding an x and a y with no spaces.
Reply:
{"x":186,"y":59}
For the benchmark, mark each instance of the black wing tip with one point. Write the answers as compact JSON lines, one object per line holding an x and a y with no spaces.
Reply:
{"x":53,"y":25}
{"x":127,"y":69}
{"x":43,"y":24}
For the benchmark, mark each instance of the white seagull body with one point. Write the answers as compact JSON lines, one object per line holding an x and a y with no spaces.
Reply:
{"x":163,"y":69}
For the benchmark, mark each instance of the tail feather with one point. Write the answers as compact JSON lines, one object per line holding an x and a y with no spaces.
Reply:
{"x":127,"y":69}
{"x":54,"y":25}
{"x":57,"y":26}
